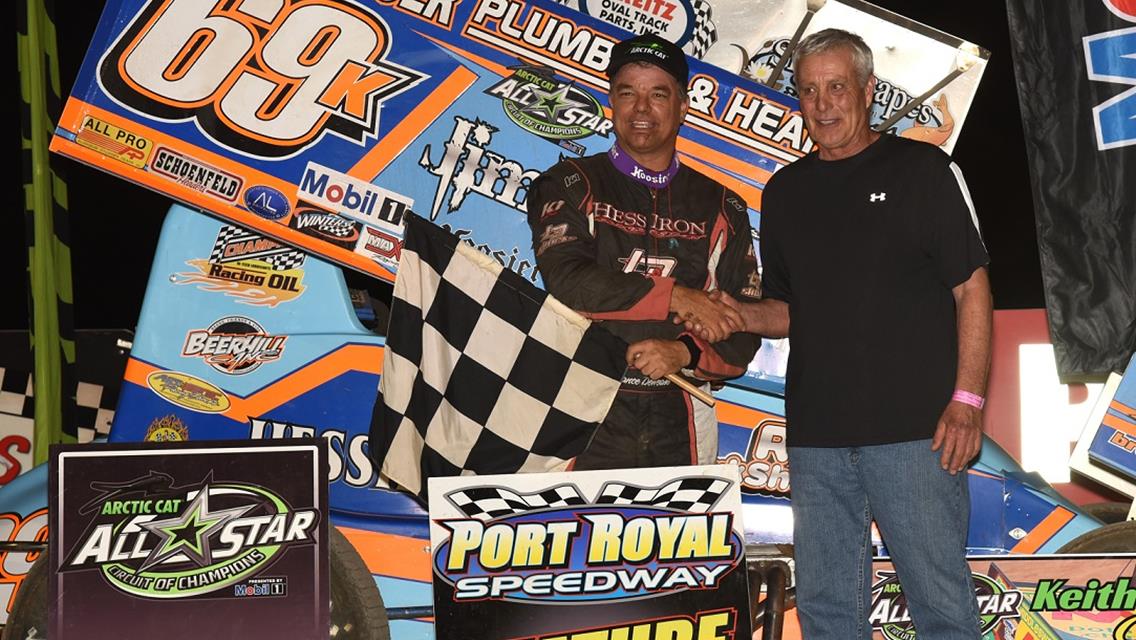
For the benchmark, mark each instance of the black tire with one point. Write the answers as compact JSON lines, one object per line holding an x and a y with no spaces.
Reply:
{"x":1119,"y":537}
{"x":357,"y":611}
{"x":28,"y":619}
{"x":1108,"y":512}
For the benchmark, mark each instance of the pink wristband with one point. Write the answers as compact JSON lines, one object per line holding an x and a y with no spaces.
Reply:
{"x":967,"y":397}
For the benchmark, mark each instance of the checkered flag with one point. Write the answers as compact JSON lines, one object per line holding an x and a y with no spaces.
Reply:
{"x":705,"y":32}
{"x":696,"y":494}
{"x":487,"y":503}
{"x":484,"y":373}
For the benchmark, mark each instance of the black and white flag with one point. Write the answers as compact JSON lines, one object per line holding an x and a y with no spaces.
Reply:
{"x":483,"y":372}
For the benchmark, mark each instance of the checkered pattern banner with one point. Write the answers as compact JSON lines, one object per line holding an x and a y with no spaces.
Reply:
{"x":484,"y":373}
{"x":695,"y":494}
{"x":705,"y":32}
{"x":487,"y":503}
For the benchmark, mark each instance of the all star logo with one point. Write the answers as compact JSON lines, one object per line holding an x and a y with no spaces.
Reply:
{"x":150,"y":539}
{"x":539,"y":103}
{"x":889,"y":614}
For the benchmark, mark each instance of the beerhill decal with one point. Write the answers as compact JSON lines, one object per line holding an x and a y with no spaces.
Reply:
{"x":554,"y":110}
{"x":889,"y":614}
{"x":234,"y":345}
{"x":249,"y":267}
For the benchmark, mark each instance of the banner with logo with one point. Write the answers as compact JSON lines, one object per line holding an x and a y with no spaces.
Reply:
{"x":1076,"y":73}
{"x":645,"y":553}
{"x":1024,"y":597}
{"x":229,"y":538}
{"x":749,"y":37}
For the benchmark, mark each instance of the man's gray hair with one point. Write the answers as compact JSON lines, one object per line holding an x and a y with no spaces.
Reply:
{"x":829,"y":39}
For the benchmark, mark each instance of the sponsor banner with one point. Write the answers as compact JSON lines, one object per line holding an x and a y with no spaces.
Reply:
{"x":1076,"y":80}
{"x":452,"y":108}
{"x":1047,"y":597}
{"x":654,"y":553}
{"x":192,"y":531}
{"x":748,"y":37}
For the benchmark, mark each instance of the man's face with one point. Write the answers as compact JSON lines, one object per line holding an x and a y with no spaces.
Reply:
{"x":647,"y":107}
{"x":835,"y":107}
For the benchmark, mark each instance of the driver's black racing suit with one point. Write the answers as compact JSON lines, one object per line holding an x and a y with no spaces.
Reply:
{"x":613,"y":249}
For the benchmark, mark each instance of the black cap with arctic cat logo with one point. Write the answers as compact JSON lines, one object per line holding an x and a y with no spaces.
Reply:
{"x":653,"y":49}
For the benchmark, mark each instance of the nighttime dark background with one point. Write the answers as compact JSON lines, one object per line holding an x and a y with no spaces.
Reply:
{"x":114,"y":224}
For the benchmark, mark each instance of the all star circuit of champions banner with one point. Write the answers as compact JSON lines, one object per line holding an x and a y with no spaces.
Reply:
{"x":320,"y":122}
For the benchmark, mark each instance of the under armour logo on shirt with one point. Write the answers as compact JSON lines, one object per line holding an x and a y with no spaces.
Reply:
{"x":877,"y":197}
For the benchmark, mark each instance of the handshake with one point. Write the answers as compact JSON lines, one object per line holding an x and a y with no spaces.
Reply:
{"x":712,"y":316}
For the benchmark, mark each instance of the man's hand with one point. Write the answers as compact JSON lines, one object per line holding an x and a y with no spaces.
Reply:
{"x":657,"y":358}
{"x":715,"y":319}
{"x":959,"y":434}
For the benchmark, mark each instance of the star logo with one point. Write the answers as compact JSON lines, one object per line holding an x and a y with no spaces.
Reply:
{"x":552,"y":103}
{"x":190,"y":532}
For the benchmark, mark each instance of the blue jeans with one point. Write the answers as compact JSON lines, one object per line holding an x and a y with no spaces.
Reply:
{"x":922,"y":514}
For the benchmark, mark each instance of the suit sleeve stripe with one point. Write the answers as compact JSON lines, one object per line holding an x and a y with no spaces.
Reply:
{"x":966,"y":196}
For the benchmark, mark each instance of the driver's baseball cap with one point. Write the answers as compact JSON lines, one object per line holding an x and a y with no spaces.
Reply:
{"x":653,"y":49}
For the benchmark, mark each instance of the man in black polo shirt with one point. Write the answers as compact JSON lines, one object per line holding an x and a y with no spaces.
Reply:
{"x":874,"y":267}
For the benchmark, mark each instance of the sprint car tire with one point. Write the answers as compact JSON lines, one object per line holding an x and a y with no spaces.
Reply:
{"x":1108,"y":512}
{"x":357,"y":611}
{"x":1111,"y":538}
{"x":28,"y":619}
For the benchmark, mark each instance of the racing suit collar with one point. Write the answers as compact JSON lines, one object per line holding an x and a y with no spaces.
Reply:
{"x":637,"y":172}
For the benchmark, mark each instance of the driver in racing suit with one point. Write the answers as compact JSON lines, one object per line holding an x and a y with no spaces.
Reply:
{"x":632,"y":237}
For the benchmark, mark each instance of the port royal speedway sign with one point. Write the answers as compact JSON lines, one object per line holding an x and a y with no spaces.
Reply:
{"x":651,"y":553}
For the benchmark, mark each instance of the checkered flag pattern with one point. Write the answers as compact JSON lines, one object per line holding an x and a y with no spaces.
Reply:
{"x":94,"y":404}
{"x":280,"y":258}
{"x":705,"y":32}
{"x":484,"y":373}
{"x":697,"y":494}
{"x":488,"y":503}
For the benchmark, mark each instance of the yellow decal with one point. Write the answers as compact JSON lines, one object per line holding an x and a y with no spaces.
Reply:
{"x":187,"y":391}
{"x":112,"y":141}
